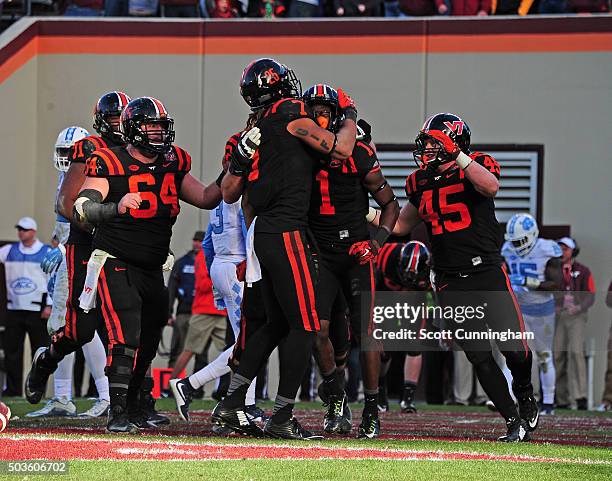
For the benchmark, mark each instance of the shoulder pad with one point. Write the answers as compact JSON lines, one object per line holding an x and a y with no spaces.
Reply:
{"x":182,"y":157}
{"x":292,"y":108}
{"x":83,"y":148}
{"x":104,"y":163}
{"x":552,"y":248}
{"x":365,"y":158}
{"x":487,"y":161}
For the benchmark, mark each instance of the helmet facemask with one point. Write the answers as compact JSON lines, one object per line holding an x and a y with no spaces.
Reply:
{"x":105,"y":128}
{"x":146,"y":136}
{"x":429,"y":152}
{"x":60,"y":158}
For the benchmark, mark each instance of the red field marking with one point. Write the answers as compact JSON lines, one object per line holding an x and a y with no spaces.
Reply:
{"x":22,"y":447}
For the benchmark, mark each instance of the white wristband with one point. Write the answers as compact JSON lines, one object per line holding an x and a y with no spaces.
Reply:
{"x":371,"y":215}
{"x":463,"y":160}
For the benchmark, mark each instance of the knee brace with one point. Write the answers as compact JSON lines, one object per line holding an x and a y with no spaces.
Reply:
{"x":121,"y":365}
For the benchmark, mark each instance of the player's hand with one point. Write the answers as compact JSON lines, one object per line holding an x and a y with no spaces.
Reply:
{"x":249,"y":142}
{"x":171,"y":321}
{"x":52,"y":260}
{"x":46,"y":312}
{"x":364,"y":251}
{"x":345,"y":101}
{"x":130,"y":200}
{"x":241,"y":271}
{"x":448,"y":144}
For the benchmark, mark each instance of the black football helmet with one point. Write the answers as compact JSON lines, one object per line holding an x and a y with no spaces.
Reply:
{"x":266,"y":81}
{"x":109,"y":105}
{"x":414,"y":266}
{"x":453,"y":126}
{"x":324,"y":94}
{"x":147,"y":110}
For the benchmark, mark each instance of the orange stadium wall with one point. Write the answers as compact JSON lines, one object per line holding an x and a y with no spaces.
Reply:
{"x":540,"y":80}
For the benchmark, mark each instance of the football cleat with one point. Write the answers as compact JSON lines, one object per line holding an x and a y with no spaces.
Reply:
{"x":383,"y":400}
{"x":547,"y":409}
{"x":100,"y":408}
{"x":118,"y":421}
{"x":407,"y":402}
{"x":369,"y":427}
{"x":235,"y":419}
{"x":36,"y":381}
{"x":517,"y":431}
{"x":491,"y":406}
{"x":147,"y":406}
{"x":183,"y":394}
{"x":255,"y":413}
{"x":291,"y":429}
{"x":529,"y":411}
{"x":56,"y":407}
{"x":338,"y":418}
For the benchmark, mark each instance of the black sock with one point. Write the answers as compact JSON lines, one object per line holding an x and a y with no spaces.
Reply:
{"x":371,"y":402}
{"x":409,"y":388}
{"x":283,"y":410}
{"x":332,"y":384}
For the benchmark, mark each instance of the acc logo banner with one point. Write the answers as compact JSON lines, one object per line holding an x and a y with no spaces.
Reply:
{"x":23,"y":286}
{"x":456,"y":126}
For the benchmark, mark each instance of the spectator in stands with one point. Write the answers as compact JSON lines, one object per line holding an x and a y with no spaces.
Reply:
{"x":180,"y":8}
{"x":552,"y":6}
{"x":606,"y":402}
{"x":84,"y":8}
{"x":417,"y":8}
{"x":28,"y":306}
{"x":181,"y":286}
{"x":304,"y":8}
{"x":511,"y":7}
{"x":224,"y":9}
{"x":588,"y":6}
{"x":267,"y":8}
{"x":357,"y":8}
{"x":464,"y":7}
{"x":116,"y":8}
{"x":578,"y":295}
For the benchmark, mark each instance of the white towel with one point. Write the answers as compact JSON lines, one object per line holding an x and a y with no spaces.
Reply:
{"x":87,"y":299}
{"x":253,"y":269}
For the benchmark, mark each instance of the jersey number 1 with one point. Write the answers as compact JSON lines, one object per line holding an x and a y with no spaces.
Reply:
{"x":167,"y":194}
{"x":326,"y":206}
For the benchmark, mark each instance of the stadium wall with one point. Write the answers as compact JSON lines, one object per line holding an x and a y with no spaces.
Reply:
{"x":541,"y":80}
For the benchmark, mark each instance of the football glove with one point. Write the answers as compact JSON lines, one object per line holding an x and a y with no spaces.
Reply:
{"x":249,"y":142}
{"x":169,"y":264}
{"x":345,"y":101}
{"x":364,"y":131}
{"x":364,"y":251}
{"x":52,"y":259}
{"x":450,"y":147}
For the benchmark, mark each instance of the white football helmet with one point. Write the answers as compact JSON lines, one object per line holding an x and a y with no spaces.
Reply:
{"x":66,"y":139}
{"x":522,"y":232}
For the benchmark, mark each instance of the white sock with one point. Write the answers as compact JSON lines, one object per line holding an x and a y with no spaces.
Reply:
{"x":214,"y":370}
{"x":547,"y":380}
{"x":95,"y":358}
{"x":62,"y":379}
{"x":250,"y":395}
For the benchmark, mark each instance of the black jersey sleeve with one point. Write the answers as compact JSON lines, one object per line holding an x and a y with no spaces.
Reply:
{"x":289,"y":110}
{"x":411,"y":185}
{"x":82,"y":150}
{"x":487,"y":162}
{"x":183,"y":159}
{"x":365,"y":159}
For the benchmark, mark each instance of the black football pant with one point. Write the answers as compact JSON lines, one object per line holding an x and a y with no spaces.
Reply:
{"x":18,"y":323}
{"x":80,"y":326}
{"x":134,"y":305}
{"x":288,"y":291}
{"x":490,"y":287}
{"x":340,"y":273}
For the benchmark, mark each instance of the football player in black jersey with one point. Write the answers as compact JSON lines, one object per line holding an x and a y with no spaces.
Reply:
{"x":131,"y":194}
{"x":278,"y":176}
{"x":80,"y":326}
{"x":404,"y":267}
{"x":452,"y":192}
{"x":338,"y":206}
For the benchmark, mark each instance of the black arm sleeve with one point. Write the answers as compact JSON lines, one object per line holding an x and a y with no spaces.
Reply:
{"x":92,"y":210}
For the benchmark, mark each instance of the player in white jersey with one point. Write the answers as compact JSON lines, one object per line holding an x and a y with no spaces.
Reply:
{"x":535,"y":271}
{"x":224,"y":248}
{"x":54,"y":264}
